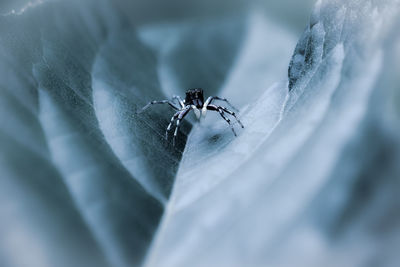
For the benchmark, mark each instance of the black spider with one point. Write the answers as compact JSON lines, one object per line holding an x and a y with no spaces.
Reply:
{"x":194,"y":101}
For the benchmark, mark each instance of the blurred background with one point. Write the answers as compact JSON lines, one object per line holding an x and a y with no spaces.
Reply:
{"x":294,"y":14}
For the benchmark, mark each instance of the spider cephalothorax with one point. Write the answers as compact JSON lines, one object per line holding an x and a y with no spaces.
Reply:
{"x":194,"y":100}
{"x":195,"y":97}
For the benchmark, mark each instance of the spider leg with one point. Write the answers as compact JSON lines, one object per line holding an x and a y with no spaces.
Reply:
{"x":180,"y":101}
{"x":158,"y":102}
{"x":211,"y":98}
{"x":170,"y":124}
{"x":181,"y":116}
{"x":233,"y":114}
{"x":221,"y":113}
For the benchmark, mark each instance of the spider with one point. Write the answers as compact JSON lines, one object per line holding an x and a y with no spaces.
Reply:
{"x":195,"y":101}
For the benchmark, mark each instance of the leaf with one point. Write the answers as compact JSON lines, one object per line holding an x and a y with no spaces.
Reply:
{"x":251,"y":201}
{"x":115,"y":167}
{"x":86,"y":181}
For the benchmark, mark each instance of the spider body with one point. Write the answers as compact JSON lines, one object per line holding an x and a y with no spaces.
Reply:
{"x":194,"y":100}
{"x":195,"y":97}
